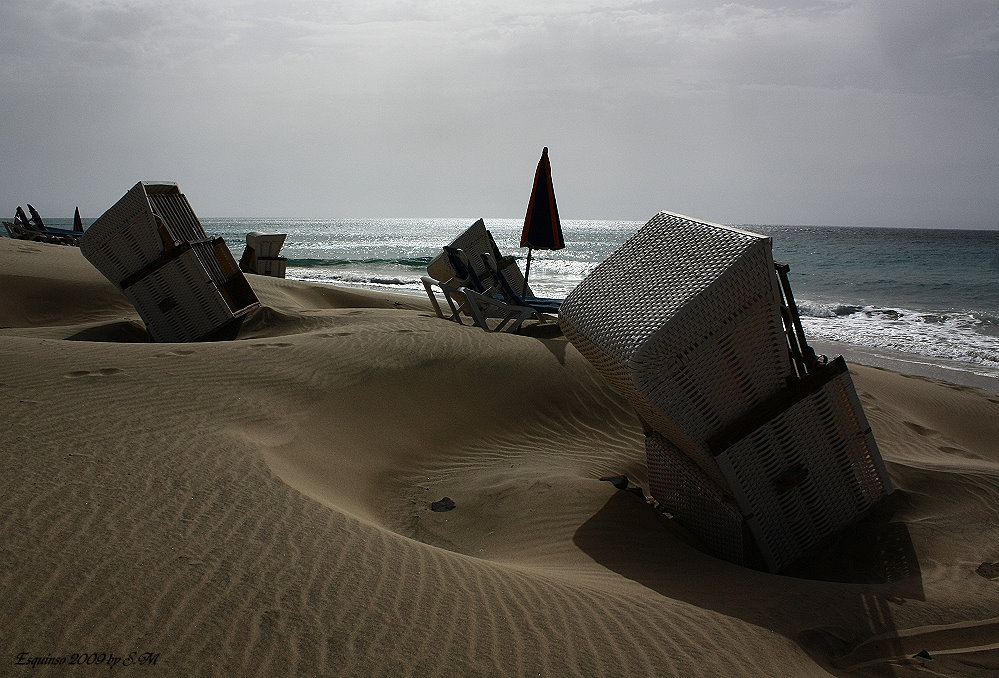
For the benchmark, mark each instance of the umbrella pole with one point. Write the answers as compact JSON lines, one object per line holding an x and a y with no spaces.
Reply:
{"x":527,"y":271}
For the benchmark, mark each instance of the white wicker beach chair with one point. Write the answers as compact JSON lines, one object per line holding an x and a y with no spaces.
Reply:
{"x":151,"y":244}
{"x":262,"y":254}
{"x":685,"y":320}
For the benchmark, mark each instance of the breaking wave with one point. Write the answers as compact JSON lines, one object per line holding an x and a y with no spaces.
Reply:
{"x":969,"y":337}
{"x":404,"y":262}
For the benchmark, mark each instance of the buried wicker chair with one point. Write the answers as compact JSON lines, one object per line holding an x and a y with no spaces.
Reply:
{"x":754,"y":444}
{"x":151,"y":245}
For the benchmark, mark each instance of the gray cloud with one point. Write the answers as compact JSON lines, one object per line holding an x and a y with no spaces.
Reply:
{"x":830,"y":112}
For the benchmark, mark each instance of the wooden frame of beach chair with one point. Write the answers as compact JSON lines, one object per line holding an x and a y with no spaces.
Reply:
{"x":152,"y":246}
{"x":686,"y":320}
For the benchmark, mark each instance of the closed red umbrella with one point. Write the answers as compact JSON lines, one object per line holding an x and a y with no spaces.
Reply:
{"x":542,"y":228}
{"x":77,"y":222}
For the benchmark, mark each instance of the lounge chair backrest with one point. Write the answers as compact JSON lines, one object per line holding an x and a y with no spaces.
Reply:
{"x":463,"y":270}
{"x":37,"y":219}
{"x":542,"y":305}
{"x":493,"y":267}
{"x":474,"y":241}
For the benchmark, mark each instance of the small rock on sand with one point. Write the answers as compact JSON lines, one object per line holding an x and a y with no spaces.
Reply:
{"x":988,"y":570}
{"x":445,"y":504}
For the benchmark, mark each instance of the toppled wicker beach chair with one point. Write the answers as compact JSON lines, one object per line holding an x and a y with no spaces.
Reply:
{"x":755,"y":445}
{"x":151,"y":245}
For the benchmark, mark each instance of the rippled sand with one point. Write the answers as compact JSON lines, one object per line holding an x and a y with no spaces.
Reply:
{"x":262,"y":506}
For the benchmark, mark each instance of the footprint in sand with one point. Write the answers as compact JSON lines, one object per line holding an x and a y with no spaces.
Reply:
{"x":330,"y":335}
{"x":173,"y":354}
{"x":958,"y":452}
{"x":105,"y":372}
{"x":921,"y":430}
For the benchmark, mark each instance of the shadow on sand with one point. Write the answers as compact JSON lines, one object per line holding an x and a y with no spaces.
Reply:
{"x":854,"y":576}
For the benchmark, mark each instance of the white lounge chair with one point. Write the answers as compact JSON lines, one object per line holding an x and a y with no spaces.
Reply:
{"x":465,"y":293}
{"x":262,"y":254}
{"x":686,"y":321}
{"x":475,"y":241}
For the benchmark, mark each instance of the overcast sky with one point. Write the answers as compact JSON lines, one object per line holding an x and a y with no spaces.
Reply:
{"x":833,"y":112}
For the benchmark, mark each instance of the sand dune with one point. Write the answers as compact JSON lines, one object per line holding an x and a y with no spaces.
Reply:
{"x":262,"y":506}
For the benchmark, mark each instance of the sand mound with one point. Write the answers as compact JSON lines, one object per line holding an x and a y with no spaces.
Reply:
{"x":263,"y":506}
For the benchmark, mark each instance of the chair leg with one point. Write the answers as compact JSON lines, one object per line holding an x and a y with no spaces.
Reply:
{"x":429,"y":284}
{"x":484,"y":308}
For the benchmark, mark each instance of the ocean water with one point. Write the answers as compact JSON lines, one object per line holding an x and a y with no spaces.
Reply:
{"x":933,"y":293}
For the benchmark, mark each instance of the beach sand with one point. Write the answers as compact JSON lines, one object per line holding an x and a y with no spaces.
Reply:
{"x":262,"y":506}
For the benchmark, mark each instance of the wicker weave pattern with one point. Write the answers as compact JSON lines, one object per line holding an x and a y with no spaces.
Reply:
{"x":126,"y":237}
{"x":673,"y":260}
{"x":805,"y":474}
{"x":685,"y":491}
{"x":685,"y":321}
{"x":708,"y":347}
